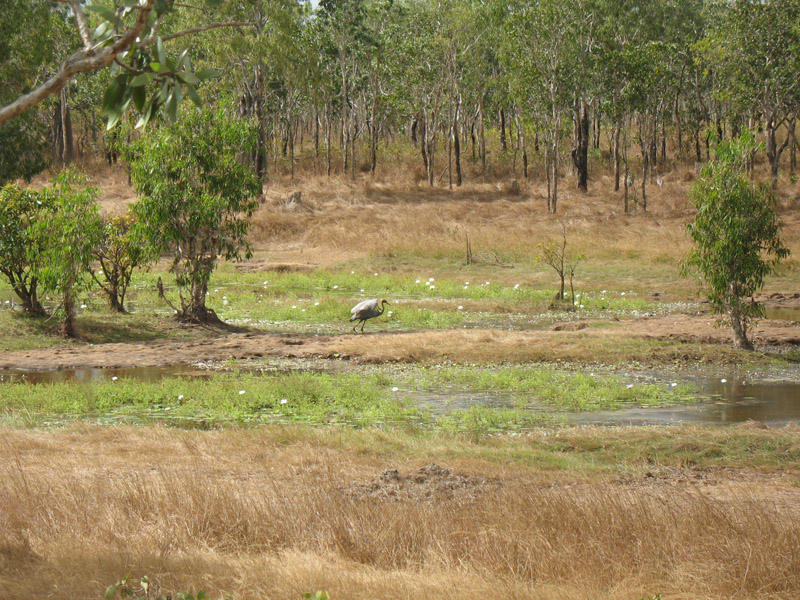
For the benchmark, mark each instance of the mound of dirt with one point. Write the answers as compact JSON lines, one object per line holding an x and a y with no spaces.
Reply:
{"x":427,"y":484}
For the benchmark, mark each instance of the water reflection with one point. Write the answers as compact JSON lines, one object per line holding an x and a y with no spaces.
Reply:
{"x":783,"y":314}
{"x":97,"y":375}
{"x":773,"y":403}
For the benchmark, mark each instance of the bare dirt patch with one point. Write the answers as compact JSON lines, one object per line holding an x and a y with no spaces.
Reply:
{"x":426,"y":484}
{"x":485,"y":345}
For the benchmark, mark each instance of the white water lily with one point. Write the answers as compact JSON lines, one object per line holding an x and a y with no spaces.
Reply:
{"x":394,"y":389}
{"x":241,"y":392}
{"x":284,"y":401}
{"x":460,"y":307}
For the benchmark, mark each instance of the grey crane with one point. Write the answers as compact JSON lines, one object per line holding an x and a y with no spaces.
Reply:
{"x":366,"y":310}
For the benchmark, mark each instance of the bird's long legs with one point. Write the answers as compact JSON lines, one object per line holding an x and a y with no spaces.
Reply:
{"x":362,"y":321}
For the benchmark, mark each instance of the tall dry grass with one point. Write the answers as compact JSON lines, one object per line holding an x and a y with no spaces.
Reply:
{"x":245,"y":514}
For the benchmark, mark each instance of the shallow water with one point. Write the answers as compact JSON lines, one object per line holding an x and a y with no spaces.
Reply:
{"x":737,"y":400}
{"x":732,"y":400}
{"x":783,"y":314}
{"x":96,"y":375}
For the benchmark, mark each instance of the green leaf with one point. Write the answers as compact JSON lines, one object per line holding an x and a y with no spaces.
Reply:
{"x":172,"y":108}
{"x":187,"y":77}
{"x":139,"y":97}
{"x":160,"y":50}
{"x":181,"y":58}
{"x":146,"y":115}
{"x":103,"y":11}
{"x":141,"y":79}
{"x":101,"y":30}
{"x":194,"y":96}
{"x":111,"y":591}
{"x":155,"y":66}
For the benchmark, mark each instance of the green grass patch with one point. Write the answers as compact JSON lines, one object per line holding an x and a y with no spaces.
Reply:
{"x":384,"y":397}
{"x":564,"y":390}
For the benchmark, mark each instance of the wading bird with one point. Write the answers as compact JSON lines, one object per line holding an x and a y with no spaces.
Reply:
{"x":366,"y":310}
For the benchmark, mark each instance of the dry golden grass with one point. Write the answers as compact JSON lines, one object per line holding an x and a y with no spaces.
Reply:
{"x":498,"y":346}
{"x":384,"y":218}
{"x":262,"y":514}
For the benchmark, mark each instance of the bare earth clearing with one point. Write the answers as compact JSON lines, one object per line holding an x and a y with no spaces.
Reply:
{"x":456,"y":345}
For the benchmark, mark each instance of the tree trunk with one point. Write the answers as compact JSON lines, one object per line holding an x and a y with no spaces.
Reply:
{"x":482,"y":135}
{"x":580,"y":151}
{"x":457,"y":143}
{"x":423,"y":146}
{"x":502,"y":116}
{"x":328,"y":127}
{"x":739,"y":325}
{"x":63,"y":144}
{"x":522,"y":141}
{"x":26,"y":290}
{"x":616,"y":154}
{"x":773,"y":150}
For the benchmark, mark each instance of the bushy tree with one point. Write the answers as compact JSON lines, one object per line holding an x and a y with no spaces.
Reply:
{"x":70,"y":229}
{"x":196,"y":199}
{"x":120,"y":251}
{"x":736,"y":236}
{"x":20,"y":247}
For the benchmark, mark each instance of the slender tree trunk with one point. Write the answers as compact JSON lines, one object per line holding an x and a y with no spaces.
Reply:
{"x":328,"y":126}
{"x":580,"y":151}
{"x":697,"y":151}
{"x":482,"y":135}
{"x":627,"y":171}
{"x":521,"y":140}
{"x":616,"y":154}
{"x":472,"y":137}
{"x":773,"y":150}
{"x":292,"y":131}
{"x":423,"y":146}
{"x":502,"y":116}
{"x":63,"y":146}
{"x":456,"y":142}
{"x":68,"y":305}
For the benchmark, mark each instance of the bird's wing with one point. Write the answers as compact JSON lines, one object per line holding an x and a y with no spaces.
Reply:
{"x":363,"y":305}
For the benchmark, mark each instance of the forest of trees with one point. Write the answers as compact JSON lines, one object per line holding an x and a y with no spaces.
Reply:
{"x":350,"y":83}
